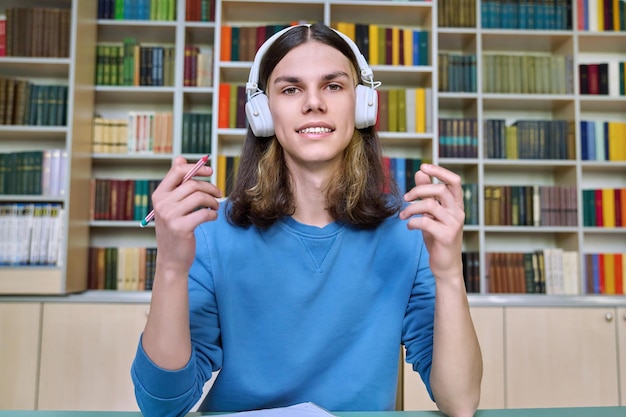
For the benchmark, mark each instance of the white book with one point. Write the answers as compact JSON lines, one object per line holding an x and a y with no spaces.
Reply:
{"x":571,"y":278}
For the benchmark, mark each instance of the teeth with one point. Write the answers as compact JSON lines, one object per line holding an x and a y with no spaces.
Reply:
{"x":316,"y":130}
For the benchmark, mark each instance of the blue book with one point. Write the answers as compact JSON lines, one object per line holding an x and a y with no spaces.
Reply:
{"x":584,"y":141}
{"x":591,"y":138}
{"x":399,"y":165}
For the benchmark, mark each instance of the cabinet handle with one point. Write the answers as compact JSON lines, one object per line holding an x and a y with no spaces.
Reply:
{"x":609,"y":317}
{"x":624,"y":317}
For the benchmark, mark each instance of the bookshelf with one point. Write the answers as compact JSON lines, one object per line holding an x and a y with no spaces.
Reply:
{"x":467,"y":100}
{"x":115,"y":102}
{"x":476,"y":93}
{"x":60,"y":61}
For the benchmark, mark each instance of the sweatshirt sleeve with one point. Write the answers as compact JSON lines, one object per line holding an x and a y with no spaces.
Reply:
{"x":161,"y":392}
{"x":419,"y":320}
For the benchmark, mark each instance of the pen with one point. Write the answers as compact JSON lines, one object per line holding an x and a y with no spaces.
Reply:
{"x":201,"y":162}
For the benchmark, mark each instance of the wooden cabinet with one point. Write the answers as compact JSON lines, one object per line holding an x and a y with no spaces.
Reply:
{"x":86,"y":354}
{"x":20,"y":326}
{"x":488,"y":322}
{"x":621,"y":345}
{"x":561,"y":357}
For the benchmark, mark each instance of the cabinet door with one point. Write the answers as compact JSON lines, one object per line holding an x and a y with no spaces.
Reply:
{"x":488,"y":322}
{"x":86,"y":354}
{"x":561,"y":357}
{"x":20,"y":325}
{"x":621,"y":332}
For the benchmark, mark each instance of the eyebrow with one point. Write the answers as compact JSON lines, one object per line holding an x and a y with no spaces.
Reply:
{"x":327,"y":77}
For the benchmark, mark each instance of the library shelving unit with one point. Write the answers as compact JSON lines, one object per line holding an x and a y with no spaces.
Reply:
{"x":557,"y":96}
{"x":114,"y":102}
{"x":65,"y":273}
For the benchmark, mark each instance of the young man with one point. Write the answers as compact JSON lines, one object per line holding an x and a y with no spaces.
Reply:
{"x":304,"y":283}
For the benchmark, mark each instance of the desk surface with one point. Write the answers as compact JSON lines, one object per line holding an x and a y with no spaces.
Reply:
{"x":525,"y":412}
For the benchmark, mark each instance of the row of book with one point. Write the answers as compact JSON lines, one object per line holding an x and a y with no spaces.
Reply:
{"x":389,"y":45}
{"x":40,"y":172}
{"x":544,"y":271}
{"x":530,"y":139}
{"x":458,"y":138}
{"x":198,"y":66}
{"x":456,"y":13}
{"x":36,"y":32}
{"x":601,"y":15}
{"x":527,"y":14}
{"x":31,"y":233}
{"x":405,"y":110}
{"x":121,"y":199}
{"x":530,"y":205}
{"x":457,"y":73}
{"x":605,"y":78}
{"x":200,"y":10}
{"x":196,"y":137}
{"x":121,"y":268}
{"x":605,"y":273}
{"x":602,"y":140}
{"x":139,"y":132}
{"x":25,"y":103}
{"x":604,"y":207}
{"x":132,"y":64}
{"x":528,"y":74}
{"x":137,"y":9}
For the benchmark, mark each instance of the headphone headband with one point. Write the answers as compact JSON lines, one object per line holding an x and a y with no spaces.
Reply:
{"x":252,"y":86}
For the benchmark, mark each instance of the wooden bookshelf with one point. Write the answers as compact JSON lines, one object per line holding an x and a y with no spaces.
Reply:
{"x":68,"y":273}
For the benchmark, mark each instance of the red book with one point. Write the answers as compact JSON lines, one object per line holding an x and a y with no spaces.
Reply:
{"x":601,"y":273}
{"x":622,"y":204}
{"x":599,"y":218}
{"x":593,"y":78}
{"x":3,"y":36}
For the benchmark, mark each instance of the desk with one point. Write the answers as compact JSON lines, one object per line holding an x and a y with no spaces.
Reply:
{"x":522,"y":412}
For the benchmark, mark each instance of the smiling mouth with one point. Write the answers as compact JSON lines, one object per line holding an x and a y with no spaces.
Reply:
{"x":315,"y":130}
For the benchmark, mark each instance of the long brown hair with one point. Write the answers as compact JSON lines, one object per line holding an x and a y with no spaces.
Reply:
{"x":263,"y":193}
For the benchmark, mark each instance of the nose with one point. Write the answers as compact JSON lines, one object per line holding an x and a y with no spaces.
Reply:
{"x":313,"y":102}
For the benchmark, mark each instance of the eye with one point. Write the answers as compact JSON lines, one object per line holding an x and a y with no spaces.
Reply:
{"x":290,"y":91}
{"x":334,"y":87}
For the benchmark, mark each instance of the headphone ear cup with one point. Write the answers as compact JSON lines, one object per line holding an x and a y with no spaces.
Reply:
{"x":259,"y":116}
{"x":366,"y":108}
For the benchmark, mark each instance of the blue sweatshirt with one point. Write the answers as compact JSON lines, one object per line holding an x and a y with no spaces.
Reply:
{"x":297,"y":313}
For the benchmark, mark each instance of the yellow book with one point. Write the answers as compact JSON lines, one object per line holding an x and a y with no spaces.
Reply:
{"x":402,"y":110}
{"x":609,"y":273}
{"x":393,"y":110}
{"x":221,"y":173}
{"x":407,"y":34}
{"x":344,"y":28}
{"x":600,"y":16}
{"x":616,"y":141}
{"x":616,"y":15}
{"x":373,"y":38}
{"x":420,"y":110}
{"x":395,"y":46}
{"x":350,"y":30}
{"x":608,"y":207}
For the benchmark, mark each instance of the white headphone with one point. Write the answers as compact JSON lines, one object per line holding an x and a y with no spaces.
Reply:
{"x":257,"y":107}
